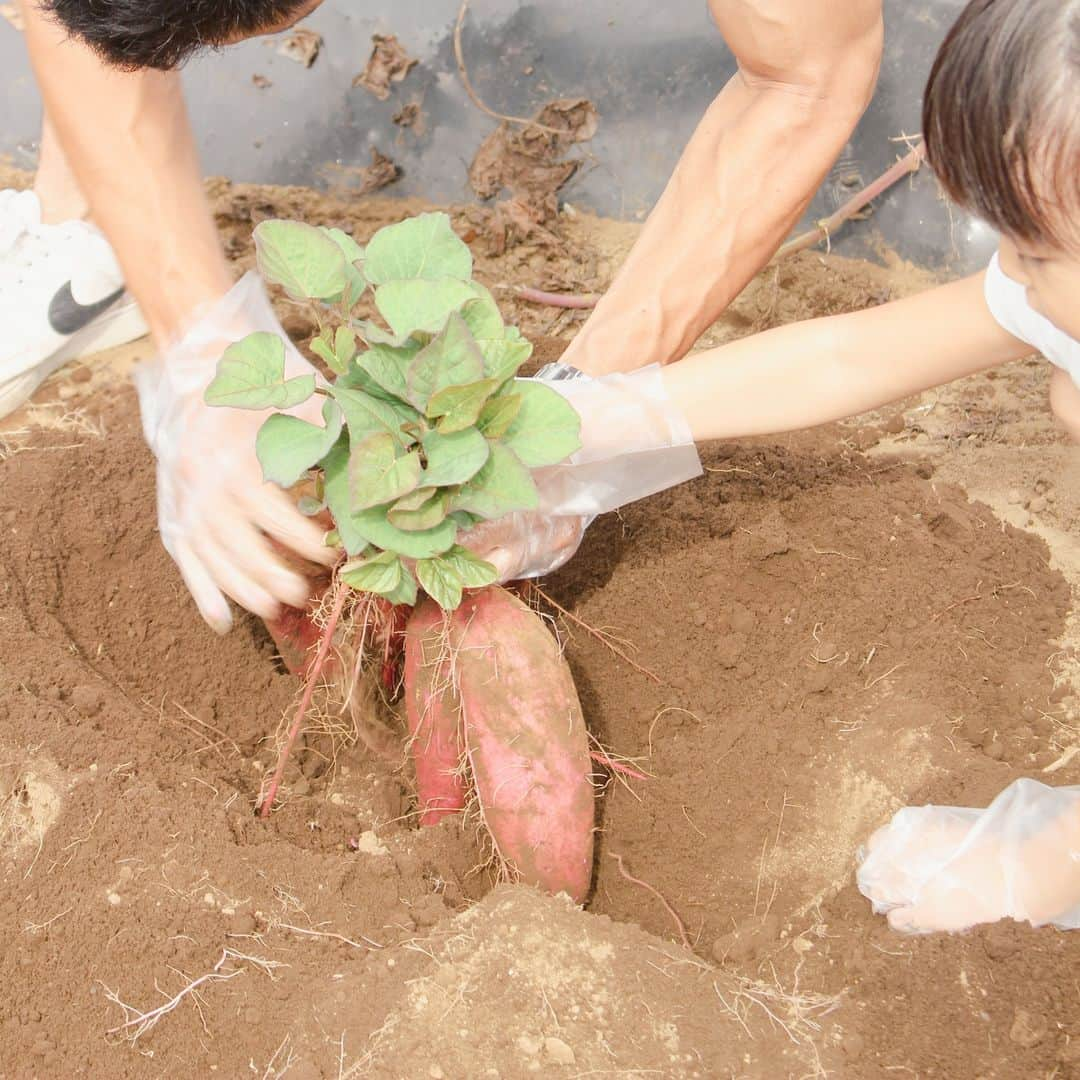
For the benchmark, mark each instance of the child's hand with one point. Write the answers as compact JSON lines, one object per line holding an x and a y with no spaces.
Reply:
{"x":949,"y":868}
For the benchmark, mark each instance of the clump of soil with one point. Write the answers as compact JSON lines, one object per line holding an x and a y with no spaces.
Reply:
{"x":527,"y":163}
{"x":834,"y":635}
{"x":389,"y":63}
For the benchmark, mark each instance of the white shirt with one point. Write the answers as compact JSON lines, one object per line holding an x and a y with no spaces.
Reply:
{"x":1007,"y":301}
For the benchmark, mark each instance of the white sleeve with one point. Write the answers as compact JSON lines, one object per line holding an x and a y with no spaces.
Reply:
{"x":1008,"y":303}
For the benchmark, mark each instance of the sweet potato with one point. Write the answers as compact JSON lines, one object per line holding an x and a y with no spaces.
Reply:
{"x":526,"y":742}
{"x":296,"y":638}
{"x":433,"y":712}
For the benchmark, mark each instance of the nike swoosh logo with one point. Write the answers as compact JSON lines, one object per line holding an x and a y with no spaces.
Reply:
{"x":67,"y":316}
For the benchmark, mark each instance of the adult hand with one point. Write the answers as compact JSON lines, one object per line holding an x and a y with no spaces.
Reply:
{"x":216,"y":515}
{"x":634,"y":443}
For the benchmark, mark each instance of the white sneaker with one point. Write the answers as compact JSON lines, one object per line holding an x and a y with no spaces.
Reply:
{"x":61,"y":297}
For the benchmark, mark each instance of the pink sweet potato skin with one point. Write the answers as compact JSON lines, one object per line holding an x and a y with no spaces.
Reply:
{"x":296,"y":638}
{"x":526,"y":741}
{"x":433,"y":712}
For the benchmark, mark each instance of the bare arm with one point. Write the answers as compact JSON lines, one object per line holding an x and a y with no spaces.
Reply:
{"x":128,"y":142}
{"x":807,"y":69}
{"x":813,"y":372}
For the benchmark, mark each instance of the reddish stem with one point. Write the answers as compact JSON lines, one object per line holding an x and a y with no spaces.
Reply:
{"x":615,"y":766}
{"x":559,"y":300}
{"x":659,"y":896}
{"x":909,"y":163}
{"x":305,"y":701}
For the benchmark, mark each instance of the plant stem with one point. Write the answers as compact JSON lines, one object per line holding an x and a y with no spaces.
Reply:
{"x":824,"y":229}
{"x":305,"y":701}
{"x":559,"y":300}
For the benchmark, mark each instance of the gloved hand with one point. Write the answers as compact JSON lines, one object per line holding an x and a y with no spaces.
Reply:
{"x":215,"y":513}
{"x":949,"y":868}
{"x":634,"y":443}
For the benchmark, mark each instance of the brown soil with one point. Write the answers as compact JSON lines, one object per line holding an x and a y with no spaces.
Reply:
{"x":837,"y":631}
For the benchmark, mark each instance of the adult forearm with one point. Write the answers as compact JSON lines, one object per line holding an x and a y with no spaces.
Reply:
{"x":743,"y":182}
{"x":128,"y":142}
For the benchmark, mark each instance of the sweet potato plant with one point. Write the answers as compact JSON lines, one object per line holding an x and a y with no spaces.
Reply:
{"x":426,"y":431}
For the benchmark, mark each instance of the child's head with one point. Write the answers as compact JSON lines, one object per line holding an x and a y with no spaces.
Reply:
{"x":1001,"y":118}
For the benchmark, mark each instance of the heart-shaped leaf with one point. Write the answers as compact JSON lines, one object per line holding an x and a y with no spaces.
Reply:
{"x":459,"y":406}
{"x":419,"y":305}
{"x":406,"y":591}
{"x":425,"y":515}
{"x":301,"y":258}
{"x":374,"y":525}
{"x":482,"y":314}
{"x":451,"y":359}
{"x":424,"y":247}
{"x":367,"y":415}
{"x":503,"y":358}
{"x":389,"y":366}
{"x":354,"y":257}
{"x":377,"y":474}
{"x":251,"y":375}
{"x":473,"y":571}
{"x":380,"y":574}
{"x":546,"y":430}
{"x":441,"y":582}
{"x":498,"y":414}
{"x":288,"y":446}
{"x":453,"y":459}
{"x":500,"y":487}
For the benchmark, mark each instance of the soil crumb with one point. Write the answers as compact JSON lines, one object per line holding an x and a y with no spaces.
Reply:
{"x":389,"y":63}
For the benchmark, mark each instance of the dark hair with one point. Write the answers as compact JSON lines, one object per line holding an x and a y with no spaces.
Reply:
{"x":1001,"y":117}
{"x":135,"y":34}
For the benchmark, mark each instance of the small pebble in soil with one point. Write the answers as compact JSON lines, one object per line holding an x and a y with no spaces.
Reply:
{"x":1038,"y":504}
{"x":1028,"y":1029}
{"x":994,"y":749}
{"x":87,"y":699}
{"x":853,"y":1045}
{"x":558,"y":1051}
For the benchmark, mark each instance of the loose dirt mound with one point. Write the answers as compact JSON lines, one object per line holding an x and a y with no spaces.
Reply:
{"x":833,"y":635}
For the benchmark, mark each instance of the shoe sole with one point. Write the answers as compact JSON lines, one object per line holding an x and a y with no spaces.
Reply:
{"x":125,"y":323}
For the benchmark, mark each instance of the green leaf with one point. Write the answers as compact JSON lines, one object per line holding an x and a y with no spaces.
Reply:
{"x":441,"y":582}
{"x":323,"y":351}
{"x":451,"y":359}
{"x":354,"y":254}
{"x":418,"y":305}
{"x":374,"y":525}
{"x":424,"y":247}
{"x":500,"y":487}
{"x":503,"y":358}
{"x":498,"y":414}
{"x":344,"y":347}
{"x":380,"y":574}
{"x":374,"y":334}
{"x":474,"y":572}
{"x":367,"y":415}
{"x":251,"y":375}
{"x":405,"y":593}
{"x":464,"y":519}
{"x":377,"y":475}
{"x":303,"y":259}
{"x":336,"y":490}
{"x":426,"y":515}
{"x":512,"y":333}
{"x":547,"y":430}
{"x":459,"y":406}
{"x":388,"y":366}
{"x":287,"y":446}
{"x":453,"y":459}
{"x":482,"y":314}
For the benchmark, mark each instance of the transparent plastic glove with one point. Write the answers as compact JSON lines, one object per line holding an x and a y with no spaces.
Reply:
{"x":950,"y":868}
{"x":634,"y":443}
{"x":215,"y":513}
